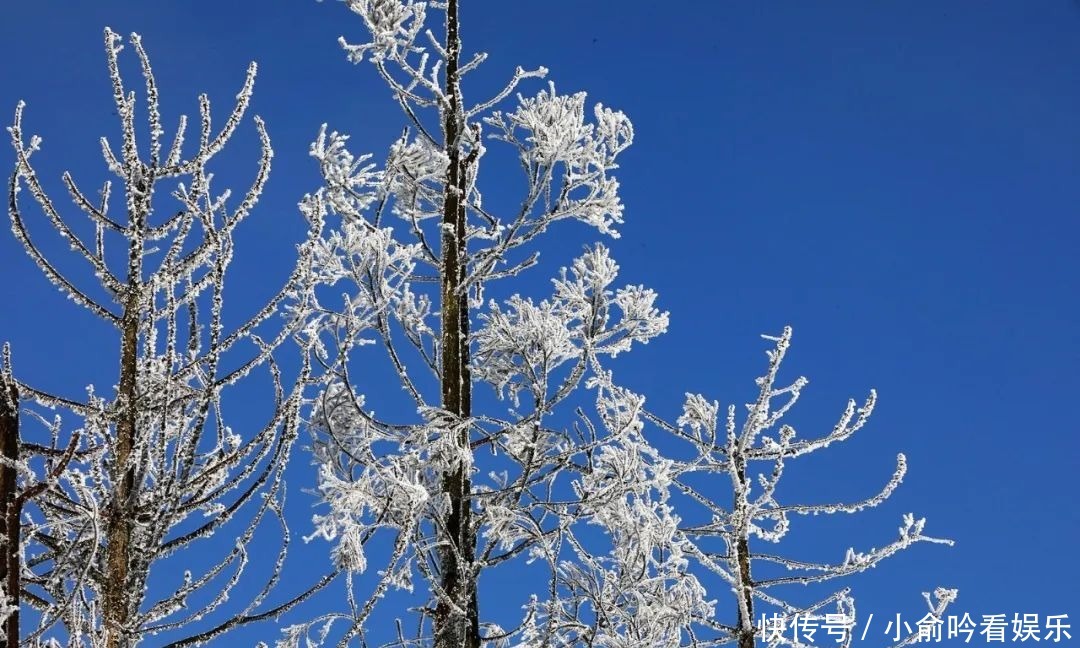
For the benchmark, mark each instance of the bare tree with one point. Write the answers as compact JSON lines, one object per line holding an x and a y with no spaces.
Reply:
{"x":158,"y":468}
{"x":533,"y":478}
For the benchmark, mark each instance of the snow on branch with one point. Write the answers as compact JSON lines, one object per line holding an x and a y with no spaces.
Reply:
{"x":635,"y":525}
{"x":156,"y":467}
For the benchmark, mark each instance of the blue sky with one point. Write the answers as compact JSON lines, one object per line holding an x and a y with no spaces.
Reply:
{"x":899,"y":181}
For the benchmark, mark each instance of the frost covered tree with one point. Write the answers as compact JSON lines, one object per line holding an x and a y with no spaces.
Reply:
{"x":618,"y":505}
{"x":155,"y":469}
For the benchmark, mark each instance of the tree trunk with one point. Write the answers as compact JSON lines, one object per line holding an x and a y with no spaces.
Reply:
{"x":746,"y":635}
{"x":12,"y":503}
{"x":745,"y":628}
{"x":118,"y":605}
{"x":452,"y":629}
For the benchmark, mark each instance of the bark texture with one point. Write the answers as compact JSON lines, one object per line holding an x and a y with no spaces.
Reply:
{"x":12,"y":503}
{"x":453,"y":629}
{"x":118,"y":606}
{"x":745,"y":631}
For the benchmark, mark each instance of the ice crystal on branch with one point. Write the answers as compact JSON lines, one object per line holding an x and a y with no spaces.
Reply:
{"x":566,"y":471}
{"x":393,"y":25}
{"x":155,"y":468}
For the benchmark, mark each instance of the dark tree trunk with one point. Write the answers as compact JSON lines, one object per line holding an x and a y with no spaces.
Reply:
{"x":12,"y":503}
{"x":118,"y":605}
{"x":458,"y":578}
{"x":745,"y":631}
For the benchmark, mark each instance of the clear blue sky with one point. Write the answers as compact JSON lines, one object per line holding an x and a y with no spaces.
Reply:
{"x":900,"y":181}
